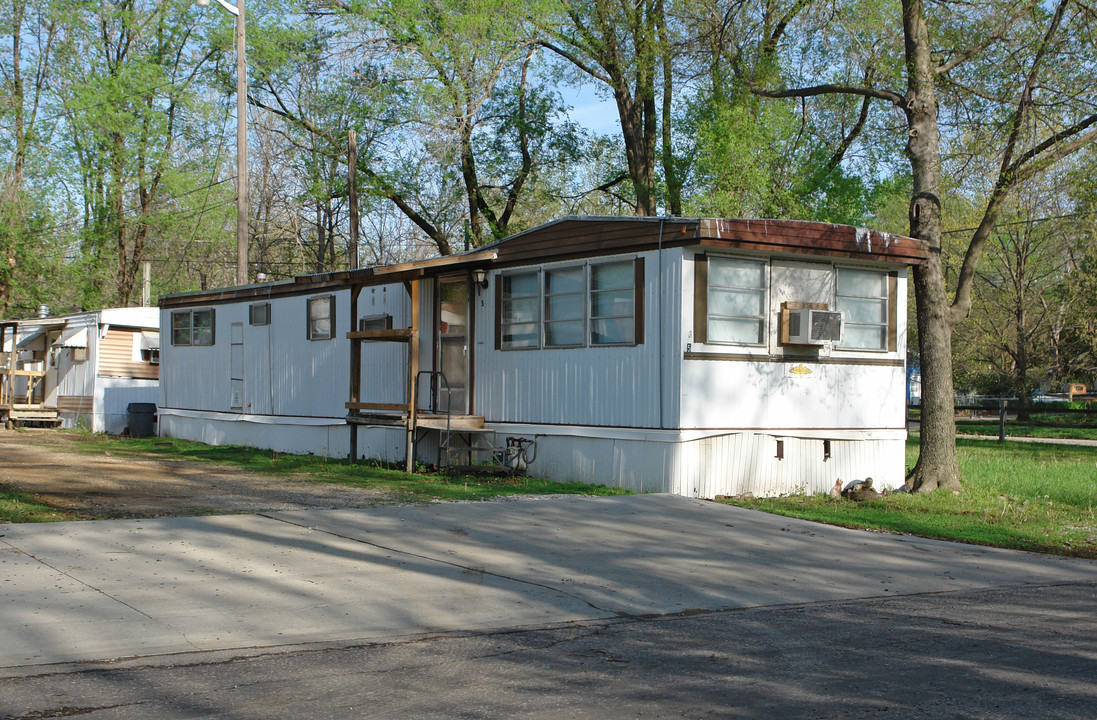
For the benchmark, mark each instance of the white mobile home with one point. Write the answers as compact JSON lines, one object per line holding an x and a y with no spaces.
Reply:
{"x":82,"y":368}
{"x":693,"y":356}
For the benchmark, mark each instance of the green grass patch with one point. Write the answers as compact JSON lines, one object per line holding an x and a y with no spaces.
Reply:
{"x":395,"y":485}
{"x":1016,"y":495}
{"x":1073,"y":427}
{"x":21,"y":507}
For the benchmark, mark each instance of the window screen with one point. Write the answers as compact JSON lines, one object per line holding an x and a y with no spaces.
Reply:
{"x":736,"y":301}
{"x":612,"y":303}
{"x":519,"y":316}
{"x":862,"y":298}
{"x":321,"y":317}
{"x":565,"y":296}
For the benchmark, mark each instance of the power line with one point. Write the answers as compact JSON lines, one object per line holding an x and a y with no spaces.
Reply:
{"x":1024,"y":222}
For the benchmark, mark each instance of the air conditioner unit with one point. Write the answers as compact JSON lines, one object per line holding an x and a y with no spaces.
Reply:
{"x":814,"y":327}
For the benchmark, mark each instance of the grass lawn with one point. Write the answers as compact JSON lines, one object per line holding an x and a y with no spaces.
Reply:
{"x":1016,"y":495}
{"x":396,"y":485}
{"x":19,"y":507}
{"x":1075,"y":427}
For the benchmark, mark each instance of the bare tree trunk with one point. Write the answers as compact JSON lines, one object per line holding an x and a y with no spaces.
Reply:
{"x":14,"y":191}
{"x":321,"y":239}
{"x":330,"y":215}
{"x":1020,"y":384}
{"x":670,"y":173}
{"x":937,"y":465}
{"x":118,"y":213}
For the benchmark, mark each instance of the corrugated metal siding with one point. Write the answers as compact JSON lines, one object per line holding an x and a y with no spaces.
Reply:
{"x":114,"y":395}
{"x":727,"y":464}
{"x":327,"y":440}
{"x":284,"y":372}
{"x":389,"y":445}
{"x":197,"y":377}
{"x":607,"y":386}
{"x":384,"y":364}
{"x":112,"y":399}
{"x":308,"y":377}
{"x":75,"y":378}
{"x":638,"y":465}
{"x":116,"y":356}
{"x":740,"y":463}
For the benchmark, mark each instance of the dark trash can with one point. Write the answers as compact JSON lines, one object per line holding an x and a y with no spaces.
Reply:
{"x":142,"y":419}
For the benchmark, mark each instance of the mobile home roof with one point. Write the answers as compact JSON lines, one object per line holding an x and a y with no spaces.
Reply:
{"x":576,"y":237}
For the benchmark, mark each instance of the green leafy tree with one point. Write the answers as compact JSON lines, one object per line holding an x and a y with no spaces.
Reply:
{"x":1007,"y":346}
{"x":454,"y":128}
{"x":25,"y":67}
{"x":1023,"y":73}
{"x":624,"y":47}
{"x":126,"y":70}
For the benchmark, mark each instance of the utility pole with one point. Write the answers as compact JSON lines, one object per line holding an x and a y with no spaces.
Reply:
{"x":146,"y":284}
{"x":352,"y":187}
{"x":241,"y":149}
{"x":237,"y":10}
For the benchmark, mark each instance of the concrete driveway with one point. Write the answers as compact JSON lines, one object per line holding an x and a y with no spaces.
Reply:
{"x":86,"y":591}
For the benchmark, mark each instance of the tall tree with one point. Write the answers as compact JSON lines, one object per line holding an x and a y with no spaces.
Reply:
{"x":1024,"y":64}
{"x":1007,"y":344}
{"x":624,"y":47}
{"x":754,"y":158}
{"x":24,"y":72}
{"x":128,"y":70}
{"x":454,"y":128}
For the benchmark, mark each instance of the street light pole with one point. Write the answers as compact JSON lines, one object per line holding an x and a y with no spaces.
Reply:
{"x":241,"y":139}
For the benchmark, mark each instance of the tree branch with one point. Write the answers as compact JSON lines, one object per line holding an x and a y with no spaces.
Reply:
{"x":604,"y":187}
{"x":987,"y":42}
{"x":1028,"y":164}
{"x":770,"y":44}
{"x":1010,"y":173}
{"x":830,"y":89}
{"x":576,"y":61}
{"x":839,"y":154}
{"x":387,"y":190}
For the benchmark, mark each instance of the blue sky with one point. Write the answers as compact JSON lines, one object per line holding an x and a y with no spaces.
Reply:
{"x":593,"y":112}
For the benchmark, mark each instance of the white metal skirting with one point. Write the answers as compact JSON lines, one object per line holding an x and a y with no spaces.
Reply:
{"x":302,"y":436}
{"x":742,"y":463}
{"x":706,"y":464}
{"x":685,"y":463}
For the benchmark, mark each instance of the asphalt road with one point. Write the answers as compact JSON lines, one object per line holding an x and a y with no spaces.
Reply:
{"x":648,"y":606}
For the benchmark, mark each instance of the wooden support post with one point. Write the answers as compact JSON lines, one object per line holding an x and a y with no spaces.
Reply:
{"x":355,"y":368}
{"x":1002,"y":422}
{"x":413,"y":370}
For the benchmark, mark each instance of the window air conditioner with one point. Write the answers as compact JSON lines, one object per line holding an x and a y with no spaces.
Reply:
{"x":814,"y":327}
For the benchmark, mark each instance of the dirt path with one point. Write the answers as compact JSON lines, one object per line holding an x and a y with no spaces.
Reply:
{"x":42,"y":462}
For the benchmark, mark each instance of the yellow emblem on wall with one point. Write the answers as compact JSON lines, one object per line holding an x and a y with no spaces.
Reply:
{"x":800,"y":370}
